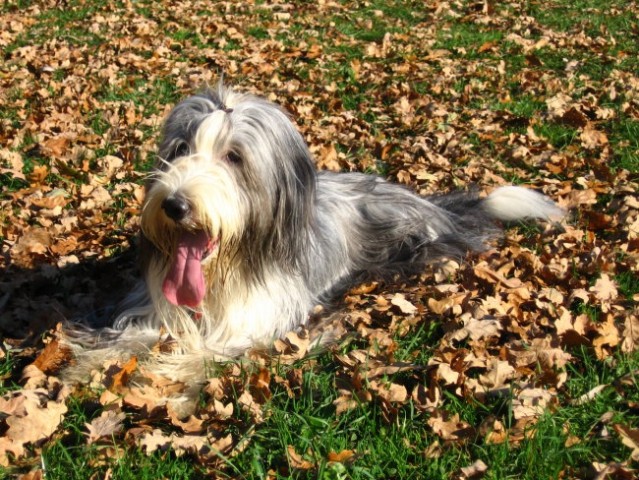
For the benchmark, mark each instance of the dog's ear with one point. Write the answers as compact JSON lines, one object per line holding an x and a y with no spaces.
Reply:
{"x":289,"y":177}
{"x":296,"y":198}
{"x":295,"y":194}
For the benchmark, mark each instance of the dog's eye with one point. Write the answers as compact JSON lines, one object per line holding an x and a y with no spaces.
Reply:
{"x":233,"y":158}
{"x":182,"y":149}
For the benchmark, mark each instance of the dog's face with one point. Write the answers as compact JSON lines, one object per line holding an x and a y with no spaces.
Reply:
{"x":233,"y":190}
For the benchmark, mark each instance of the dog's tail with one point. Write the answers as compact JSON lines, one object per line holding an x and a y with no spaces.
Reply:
{"x":471,"y":220}
{"x":512,"y":203}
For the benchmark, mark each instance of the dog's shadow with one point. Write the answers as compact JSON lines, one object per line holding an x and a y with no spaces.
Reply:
{"x":35,"y":300}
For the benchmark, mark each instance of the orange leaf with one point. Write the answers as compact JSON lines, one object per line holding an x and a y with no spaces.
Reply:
{"x":341,"y":457}
{"x":53,"y":357}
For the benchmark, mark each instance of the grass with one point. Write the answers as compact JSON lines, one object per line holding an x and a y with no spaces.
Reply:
{"x":7,"y":364}
{"x":384,"y":450}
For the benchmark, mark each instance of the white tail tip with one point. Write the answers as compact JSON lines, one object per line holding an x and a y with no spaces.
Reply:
{"x":517,"y":203}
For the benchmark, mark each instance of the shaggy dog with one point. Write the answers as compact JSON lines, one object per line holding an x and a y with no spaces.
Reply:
{"x":241,"y":237}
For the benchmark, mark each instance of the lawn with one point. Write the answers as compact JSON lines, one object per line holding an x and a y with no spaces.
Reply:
{"x":519,"y":363}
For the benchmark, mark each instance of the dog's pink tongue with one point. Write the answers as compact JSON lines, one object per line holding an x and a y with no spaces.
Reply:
{"x":184,"y":284}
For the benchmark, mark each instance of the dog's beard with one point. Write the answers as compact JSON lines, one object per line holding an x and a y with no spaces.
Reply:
{"x":186,"y":246}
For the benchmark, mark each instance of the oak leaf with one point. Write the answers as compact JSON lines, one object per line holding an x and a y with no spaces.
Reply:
{"x":345,"y":456}
{"x":297,"y":461}
{"x":630,"y":438}
{"x":108,"y":424}
{"x":31,"y":416}
{"x":451,"y":429}
{"x":531,"y":402}
{"x":399,"y":300}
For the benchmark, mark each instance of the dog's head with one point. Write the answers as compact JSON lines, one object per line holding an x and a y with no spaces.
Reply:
{"x":233,"y":189}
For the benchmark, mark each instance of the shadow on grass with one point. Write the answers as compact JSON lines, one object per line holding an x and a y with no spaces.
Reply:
{"x":33,"y":301}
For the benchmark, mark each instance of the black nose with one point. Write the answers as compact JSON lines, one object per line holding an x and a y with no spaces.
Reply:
{"x":175,"y":207}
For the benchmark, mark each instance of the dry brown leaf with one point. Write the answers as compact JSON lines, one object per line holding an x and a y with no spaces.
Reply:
{"x":477,"y":329}
{"x":249,"y":405}
{"x":483,"y":271}
{"x":531,"y":403}
{"x":476,"y":470}
{"x":108,"y":424}
{"x":630,"y":438}
{"x":190,"y":444}
{"x":449,"y":302}
{"x":33,"y":241}
{"x":451,"y":429}
{"x":590,"y":395}
{"x":155,"y":440}
{"x":592,"y":138}
{"x":604,"y":288}
{"x":37,"y":474}
{"x":399,"y":300}
{"x":221,"y":411}
{"x":294,"y":346}
{"x":344,"y":403}
{"x":447,"y":374}
{"x":391,"y":392}
{"x":345,"y":456}
{"x":493,"y":431}
{"x":190,"y":425}
{"x":608,"y":337}
{"x":497,"y":376}
{"x":259,"y":385}
{"x":146,"y":400}
{"x":434,"y":450}
{"x":630,"y":334}
{"x":31,"y":416}
{"x":53,"y":357}
{"x":11,"y":163}
{"x":612,"y":470}
{"x":117,"y":376}
{"x":297,"y":461}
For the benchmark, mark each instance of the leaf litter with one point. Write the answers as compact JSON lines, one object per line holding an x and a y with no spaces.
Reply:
{"x":80,"y":115}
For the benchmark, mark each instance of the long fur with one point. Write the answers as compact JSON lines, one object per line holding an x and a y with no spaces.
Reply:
{"x":284,"y":237}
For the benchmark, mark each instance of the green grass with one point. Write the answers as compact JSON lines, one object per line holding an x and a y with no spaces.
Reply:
{"x":384,"y":450}
{"x":81,"y":463}
{"x":466,"y":39}
{"x":6,"y":366}
{"x":628,"y":283}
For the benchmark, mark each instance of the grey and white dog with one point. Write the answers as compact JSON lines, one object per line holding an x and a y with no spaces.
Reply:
{"x":241,"y":237}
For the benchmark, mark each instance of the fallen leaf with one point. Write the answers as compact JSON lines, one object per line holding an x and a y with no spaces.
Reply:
{"x":404,"y":305}
{"x":31,"y":416}
{"x":531,"y":402}
{"x":630,"y":438}
{"x":476,"y":470}
{"x":451,"y":428}
{"x":53,"y":357}
{"x":108,"y":424}
{"x":117,"y":376}
{"x":345,"y":456}
{"x":297,"y":461}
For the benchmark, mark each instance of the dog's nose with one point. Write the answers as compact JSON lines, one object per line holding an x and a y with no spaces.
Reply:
{"x":175,"y":207}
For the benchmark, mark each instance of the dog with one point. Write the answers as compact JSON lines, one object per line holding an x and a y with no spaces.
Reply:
{"x":241,"y":237}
